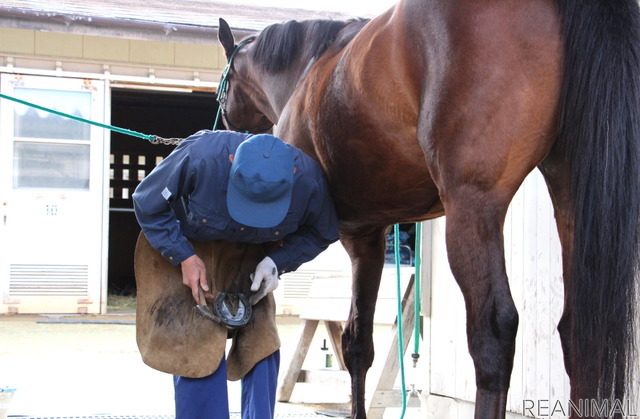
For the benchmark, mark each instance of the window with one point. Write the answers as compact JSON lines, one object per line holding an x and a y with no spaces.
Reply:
{"x":39,"y":165}
{"x":32,"y":123}
{"x":51,"y":151}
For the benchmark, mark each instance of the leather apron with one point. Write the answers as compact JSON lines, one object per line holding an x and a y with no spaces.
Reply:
{"x":173,"y":338}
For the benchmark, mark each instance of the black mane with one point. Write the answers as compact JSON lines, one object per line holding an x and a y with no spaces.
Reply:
{"x":278,"y":44}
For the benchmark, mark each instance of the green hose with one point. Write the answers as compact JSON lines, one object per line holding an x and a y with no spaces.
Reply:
{"x":417,"y":320}
{"x":403,"y":389}
{"x":417,"y":308}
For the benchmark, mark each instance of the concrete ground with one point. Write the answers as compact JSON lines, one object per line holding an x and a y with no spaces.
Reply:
{"x":62,"y":368}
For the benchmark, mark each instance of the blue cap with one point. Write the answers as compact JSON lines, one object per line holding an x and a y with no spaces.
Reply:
{"x":260,"y":182}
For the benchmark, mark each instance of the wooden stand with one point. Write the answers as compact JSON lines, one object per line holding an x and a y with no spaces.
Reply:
{"x":328,"y":302}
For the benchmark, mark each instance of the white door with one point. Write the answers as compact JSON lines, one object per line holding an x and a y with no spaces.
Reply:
{"x":51,"y":196}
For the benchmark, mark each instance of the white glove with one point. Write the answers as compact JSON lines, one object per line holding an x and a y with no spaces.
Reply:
{"x":264,"y":280}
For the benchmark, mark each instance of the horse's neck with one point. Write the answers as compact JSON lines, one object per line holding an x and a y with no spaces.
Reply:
{"x":290,"y":103}
{"x":295,"y":130}
{"x":279,"y":87}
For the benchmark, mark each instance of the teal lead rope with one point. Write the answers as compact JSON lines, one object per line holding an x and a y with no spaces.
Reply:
{"x":151,"y":138}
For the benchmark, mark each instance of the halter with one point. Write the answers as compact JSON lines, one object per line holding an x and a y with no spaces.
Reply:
{"x":223,"y":87}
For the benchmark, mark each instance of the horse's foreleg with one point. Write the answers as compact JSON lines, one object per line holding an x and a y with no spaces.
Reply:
{"x":476,"y":255}
{"x":367,"y":257}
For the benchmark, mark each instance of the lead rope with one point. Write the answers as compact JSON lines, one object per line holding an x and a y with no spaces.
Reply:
{"x":153,"y":139}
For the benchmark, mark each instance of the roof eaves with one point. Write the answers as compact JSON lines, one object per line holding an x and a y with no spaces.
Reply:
{"x":111,"y":27}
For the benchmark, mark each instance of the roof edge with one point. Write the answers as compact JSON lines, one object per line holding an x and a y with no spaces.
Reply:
{"x":112,"y":27}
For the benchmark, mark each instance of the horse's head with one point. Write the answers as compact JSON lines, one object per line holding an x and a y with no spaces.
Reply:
{"x":264,"y":71}
{"x":243,"y":104}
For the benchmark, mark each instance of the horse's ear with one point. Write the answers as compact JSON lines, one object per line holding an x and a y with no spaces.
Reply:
{"x":226,"y":37}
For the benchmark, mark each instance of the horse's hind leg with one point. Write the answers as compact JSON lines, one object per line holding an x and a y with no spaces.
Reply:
{"x":557,"y":176}
{"x":367,"y":256}
{"x":476,"y":256}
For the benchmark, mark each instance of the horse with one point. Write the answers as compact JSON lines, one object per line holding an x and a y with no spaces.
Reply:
{"x":442,"y":108}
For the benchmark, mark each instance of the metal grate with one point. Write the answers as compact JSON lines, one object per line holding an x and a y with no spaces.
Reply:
{"x":48,"y":280}
{"x":297,"y":284}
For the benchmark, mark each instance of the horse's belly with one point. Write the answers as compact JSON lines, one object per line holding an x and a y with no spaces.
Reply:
{"x":382,"y":194}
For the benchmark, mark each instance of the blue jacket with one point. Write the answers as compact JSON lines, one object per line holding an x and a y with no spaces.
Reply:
{"x":185,"y":197}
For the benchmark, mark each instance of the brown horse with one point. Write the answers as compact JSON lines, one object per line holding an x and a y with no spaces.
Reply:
{"x":443,"y":107}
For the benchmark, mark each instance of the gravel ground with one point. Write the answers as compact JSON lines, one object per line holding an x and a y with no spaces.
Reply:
{"x":73,"y":366}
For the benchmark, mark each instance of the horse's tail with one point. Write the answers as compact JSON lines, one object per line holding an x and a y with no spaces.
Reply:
{"x":599,"y":128}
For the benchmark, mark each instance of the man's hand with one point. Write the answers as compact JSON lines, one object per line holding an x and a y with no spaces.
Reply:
{"x":194,"y":276}
{"x":264,"y":280}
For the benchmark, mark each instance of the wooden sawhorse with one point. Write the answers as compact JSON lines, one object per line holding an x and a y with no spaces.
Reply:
{"x":328,"y":302}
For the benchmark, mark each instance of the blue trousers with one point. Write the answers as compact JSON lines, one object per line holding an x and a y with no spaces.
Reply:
{"x":208,"y":398}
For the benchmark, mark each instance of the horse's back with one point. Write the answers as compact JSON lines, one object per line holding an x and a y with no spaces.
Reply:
{"x":432,"y":94}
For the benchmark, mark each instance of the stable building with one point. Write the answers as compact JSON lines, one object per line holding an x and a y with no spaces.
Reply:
{"x":68,"y":230}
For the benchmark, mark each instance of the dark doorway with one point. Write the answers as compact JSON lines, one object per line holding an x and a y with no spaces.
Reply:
{"x":166,"y":114}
